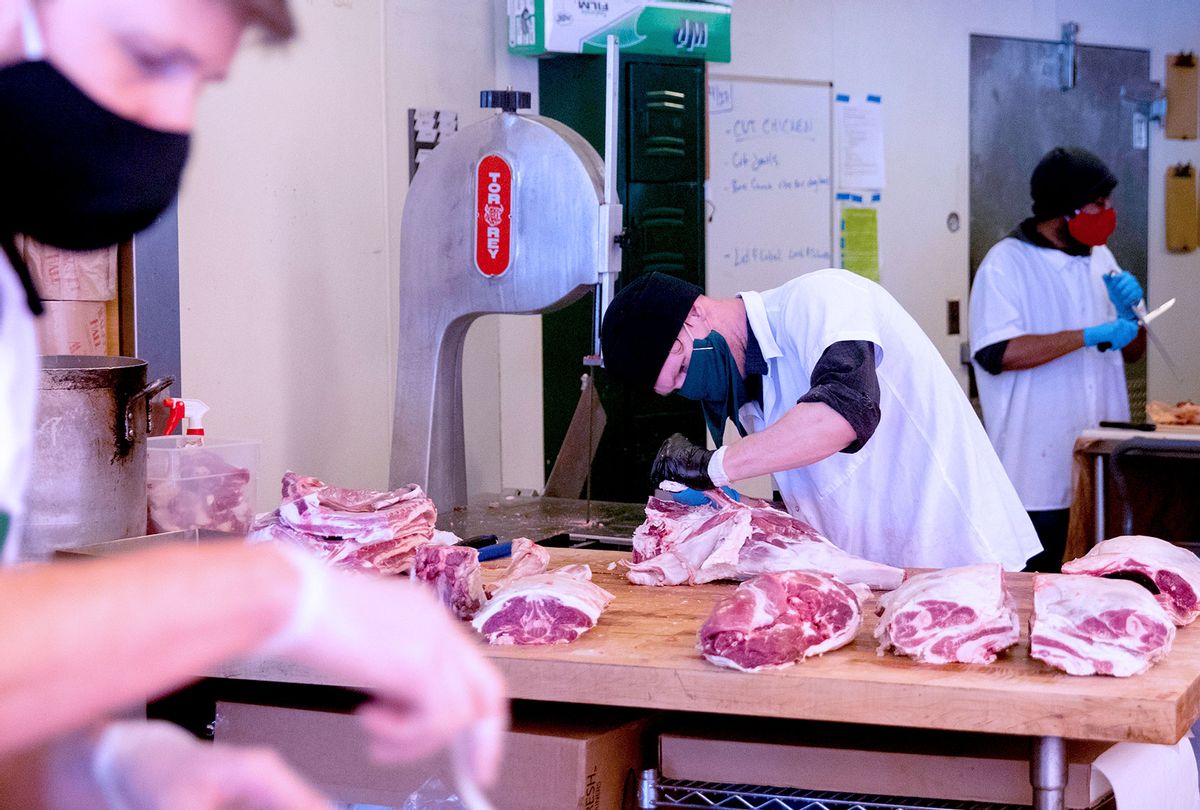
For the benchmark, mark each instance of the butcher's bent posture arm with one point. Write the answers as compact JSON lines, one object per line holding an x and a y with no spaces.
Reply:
{"x":808,"y":433}
{"x":839,"y":413}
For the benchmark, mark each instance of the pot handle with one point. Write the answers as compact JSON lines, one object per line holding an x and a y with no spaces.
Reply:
{"x":149,"y":392}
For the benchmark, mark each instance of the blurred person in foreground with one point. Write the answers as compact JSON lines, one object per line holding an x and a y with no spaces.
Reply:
{"x":97,"y":100}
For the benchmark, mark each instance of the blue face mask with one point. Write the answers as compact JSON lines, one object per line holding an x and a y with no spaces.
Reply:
{"x":714,"y":380}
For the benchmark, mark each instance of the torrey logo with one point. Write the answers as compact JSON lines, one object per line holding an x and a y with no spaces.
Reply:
{"x":493,"y":215}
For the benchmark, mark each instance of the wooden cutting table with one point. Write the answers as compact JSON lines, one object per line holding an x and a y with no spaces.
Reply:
{"x":642,"y":653}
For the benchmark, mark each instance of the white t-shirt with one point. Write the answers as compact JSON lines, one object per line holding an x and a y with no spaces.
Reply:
{"x":19,"y":365}
{"x":927,"y":489}
{"x":1033,"y":416}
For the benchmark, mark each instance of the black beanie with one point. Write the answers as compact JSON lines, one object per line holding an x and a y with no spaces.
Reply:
{"x":1067,"y":179}
{"x":640,"y":325}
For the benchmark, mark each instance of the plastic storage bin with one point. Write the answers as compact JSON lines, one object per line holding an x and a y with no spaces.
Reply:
{"x":212,"y":486}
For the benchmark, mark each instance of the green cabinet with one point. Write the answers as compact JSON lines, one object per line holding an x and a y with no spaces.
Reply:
{"x":661,"y":185}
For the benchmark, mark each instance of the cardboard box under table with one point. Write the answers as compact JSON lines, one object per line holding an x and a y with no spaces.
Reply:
{"x":562,"y":758}
{"x":887,"y":762}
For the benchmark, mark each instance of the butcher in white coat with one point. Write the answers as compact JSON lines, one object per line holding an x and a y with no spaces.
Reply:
{"x":1052,"y":326}
{"x":841,"y":397}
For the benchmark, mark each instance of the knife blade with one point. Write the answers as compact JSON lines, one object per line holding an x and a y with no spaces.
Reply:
{"x":1154,"y":313}
{"x":1144,"y":319}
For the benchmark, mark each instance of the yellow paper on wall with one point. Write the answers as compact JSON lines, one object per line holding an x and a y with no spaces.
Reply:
{"x":860,"y":241}
{"x":1180,"y":217}
{"x":1182,"y":119}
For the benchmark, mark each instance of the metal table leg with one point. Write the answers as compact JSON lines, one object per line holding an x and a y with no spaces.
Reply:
{"x":1098,"y":498}
{"x":1048,"y":773}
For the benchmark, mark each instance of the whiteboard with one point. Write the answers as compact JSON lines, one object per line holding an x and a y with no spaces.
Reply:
{"x":769,"y":195}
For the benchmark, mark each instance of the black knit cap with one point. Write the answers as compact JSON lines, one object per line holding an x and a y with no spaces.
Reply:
{"x":640,"y":325}
{"x":1067,"y":179}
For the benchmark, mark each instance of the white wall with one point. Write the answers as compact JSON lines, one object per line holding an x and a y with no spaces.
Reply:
{"x":289,"y":218}
{"x":916,"y":55}
{"x":289,"y":233}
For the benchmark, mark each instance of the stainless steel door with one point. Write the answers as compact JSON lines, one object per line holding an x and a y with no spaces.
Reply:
{"x":1019,"y":111}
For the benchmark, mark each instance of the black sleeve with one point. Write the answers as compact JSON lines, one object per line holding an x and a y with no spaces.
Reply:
{"x":844,"y":379}
{"x":991,"y":358}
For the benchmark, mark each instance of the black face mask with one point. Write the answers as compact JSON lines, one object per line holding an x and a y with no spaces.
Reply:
{"x":76,"y":175}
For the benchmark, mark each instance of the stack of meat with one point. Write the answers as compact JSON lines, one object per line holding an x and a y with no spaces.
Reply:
{"x":1094,"y":626}
{"x":962,"y":615}
{"x":1088,"y":621}
{"x":352,"y":528}
{"x":202,"y":492}
{"x":679,"y":545}
{"x":526,"y":605}
{"x":1169,"y":572}
{"x":774,"y":620}
{"x":1181,"y":413}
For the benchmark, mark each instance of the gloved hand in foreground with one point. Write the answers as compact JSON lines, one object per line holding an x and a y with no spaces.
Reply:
{"x":694,"y":497}
{"x":1116,"y":334}
{"x":156,"y":765}
{"x":431,"y":684}
{"x":1125,"y":292}
{"x":680,"y":460}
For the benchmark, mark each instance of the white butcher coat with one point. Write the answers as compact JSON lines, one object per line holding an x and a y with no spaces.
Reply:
{"x":1033,"y":416}
{"x":927,"y":488}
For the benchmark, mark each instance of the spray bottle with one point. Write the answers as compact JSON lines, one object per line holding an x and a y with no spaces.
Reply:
{"x":193,"y":410}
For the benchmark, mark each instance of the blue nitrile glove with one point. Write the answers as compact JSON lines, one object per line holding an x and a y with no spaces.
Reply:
{"x":694,"y":497}
{"x":1125,"y":292}
{"x":1116,"y":334}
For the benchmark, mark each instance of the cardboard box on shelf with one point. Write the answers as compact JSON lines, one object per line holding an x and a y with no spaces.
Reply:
{"x":878,"y":761}
{"x":68,"y":275}
{"x":697,"y":30}
{"x":73,"y":327}
{"x":568,"y":758}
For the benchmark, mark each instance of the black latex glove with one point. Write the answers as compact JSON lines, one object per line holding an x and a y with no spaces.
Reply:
{"x":680,"y":460}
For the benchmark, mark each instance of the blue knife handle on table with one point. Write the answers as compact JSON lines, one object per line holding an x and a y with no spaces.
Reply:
{"x":495,"y":552}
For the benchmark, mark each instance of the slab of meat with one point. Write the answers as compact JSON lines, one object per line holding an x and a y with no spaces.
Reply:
{"x":963,"y":615}
{"x":1169,"y":572}
{"x":688,"y":545}
{"x":553,"y":608}
{"x":775,"y":620}
{"x":352,"y":528}
{"x":200,"y":491}
{"x":1094,"y":626}
{"x":528,"y":558}
{"x":454,"y":574}
{"x":666,"y":522}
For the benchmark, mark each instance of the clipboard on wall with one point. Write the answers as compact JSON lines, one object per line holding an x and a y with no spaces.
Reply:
{"x":1182,"y":99}
{"x":1183,"y":228}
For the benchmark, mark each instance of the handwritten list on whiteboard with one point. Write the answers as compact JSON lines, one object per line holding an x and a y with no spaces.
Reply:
{"x":769,"y":196}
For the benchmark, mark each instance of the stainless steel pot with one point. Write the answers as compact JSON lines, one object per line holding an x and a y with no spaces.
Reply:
{"x":88,"y":482}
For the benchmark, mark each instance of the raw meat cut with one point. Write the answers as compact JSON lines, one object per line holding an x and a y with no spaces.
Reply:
{"x":1169,"y":572}
{"x":553,"y":608}
{"x":352,"y":528}
{"x":962,"y":615}
{"x":454,"y":574}
{"x":528,"y":558}
{"x":200,"y":491}
{"x":775,"y":620}
{"x":666,"y":522}
{"x":1095,"y":626}
{"x":730,"y":540}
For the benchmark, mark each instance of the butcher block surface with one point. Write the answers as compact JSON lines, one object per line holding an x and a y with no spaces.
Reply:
{"x":643,"y":653}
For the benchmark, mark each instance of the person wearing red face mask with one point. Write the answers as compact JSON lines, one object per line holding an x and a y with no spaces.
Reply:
{"x":1052,"y":326}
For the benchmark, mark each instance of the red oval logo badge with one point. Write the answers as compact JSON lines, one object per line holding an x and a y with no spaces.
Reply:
{"x":493,"y":215}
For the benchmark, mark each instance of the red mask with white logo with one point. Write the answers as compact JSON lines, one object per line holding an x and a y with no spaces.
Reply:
{"x":1093,"y":229}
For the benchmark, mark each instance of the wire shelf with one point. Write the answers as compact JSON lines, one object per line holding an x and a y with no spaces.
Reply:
{"x":708,"y":795}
